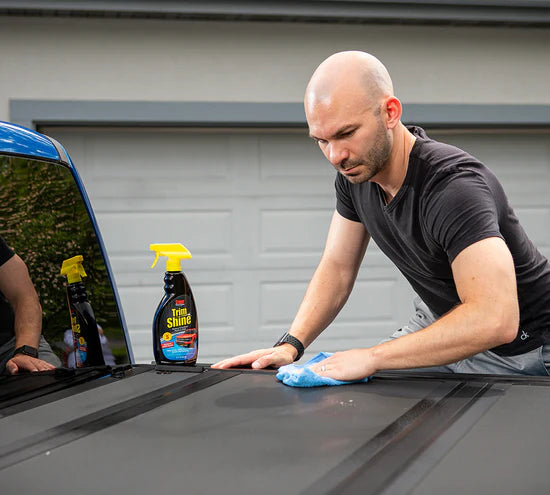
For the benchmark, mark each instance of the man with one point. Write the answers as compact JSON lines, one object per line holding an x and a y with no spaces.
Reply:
{"x":20,"y":319}
{"x":440,"y":216}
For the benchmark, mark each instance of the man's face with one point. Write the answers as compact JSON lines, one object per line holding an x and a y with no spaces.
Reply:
{"x":354,"y":140}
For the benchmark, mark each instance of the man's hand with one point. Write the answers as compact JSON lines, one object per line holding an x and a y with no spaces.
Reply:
{"x":347,"y":366}
{"x":273,"y":357}
{"x":22,"y":362}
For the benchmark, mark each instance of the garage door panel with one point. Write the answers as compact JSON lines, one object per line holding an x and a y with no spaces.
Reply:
{"x":168,"y":205}
{"x":279,"y":301}
{"x":292,"y":156}
{"x":531,"y":219}
{"x":175,"y":193}
{"x":155,"y":155}
{"x":216,"y":304}
{"x":285,"y":232}
{"x":371,"y":300}
{"x":527,"y":192}
{"x":184,"y":194}
{"x":169,"y":228}
{"x":285,"y":202}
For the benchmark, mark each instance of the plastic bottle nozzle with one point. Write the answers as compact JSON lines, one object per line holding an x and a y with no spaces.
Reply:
{"x":174,"y":252}
{"x":73,"y":269}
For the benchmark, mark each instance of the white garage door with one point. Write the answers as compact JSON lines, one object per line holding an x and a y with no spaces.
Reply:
{"x":253,"y":207}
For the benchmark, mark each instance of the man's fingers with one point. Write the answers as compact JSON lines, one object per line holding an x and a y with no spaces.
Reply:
{"x":262,"y":358}
{"x":241,"y":360}
{"x":11,"y":367}
{"x":27,"y":363}
{"x":44,"y":366}
{"x":263,"y":362}
{"x":325,"y":367}
{"x":320,"y":369}
{"x":274,"y":359}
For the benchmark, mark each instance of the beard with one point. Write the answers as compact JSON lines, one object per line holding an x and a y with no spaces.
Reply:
{"x":374,"y":160}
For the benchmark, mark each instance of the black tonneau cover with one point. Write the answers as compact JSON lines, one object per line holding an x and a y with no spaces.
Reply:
{"x":155,"y":430}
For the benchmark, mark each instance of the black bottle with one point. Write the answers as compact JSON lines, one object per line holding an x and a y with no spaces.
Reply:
{"x":87,"y":346}
{"x":175,"y":324}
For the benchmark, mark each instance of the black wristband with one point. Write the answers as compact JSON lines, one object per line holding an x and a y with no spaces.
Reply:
{"x":294,"y":342}
{"x":27,"y":350}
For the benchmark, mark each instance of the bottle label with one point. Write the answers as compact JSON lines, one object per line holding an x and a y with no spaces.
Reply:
{"x":80,"y":344}
{"x":179,"y":340}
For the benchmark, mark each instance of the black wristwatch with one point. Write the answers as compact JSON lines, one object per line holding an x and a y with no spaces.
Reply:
{"x":294,"y":342}
{"x":27,"y":350}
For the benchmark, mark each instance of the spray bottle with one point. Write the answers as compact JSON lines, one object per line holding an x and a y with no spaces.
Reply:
{"x":175,"y":325}
{"x":87,"y":346}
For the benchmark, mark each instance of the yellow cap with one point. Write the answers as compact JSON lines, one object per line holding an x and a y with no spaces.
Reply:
{"x":174,"y":252}
{"x":73,"y":269}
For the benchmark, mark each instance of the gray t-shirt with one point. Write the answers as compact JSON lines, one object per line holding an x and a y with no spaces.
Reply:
{"x":448,"y":201}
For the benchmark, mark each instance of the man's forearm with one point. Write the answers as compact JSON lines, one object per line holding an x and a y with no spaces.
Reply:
{"x":461,"y":333}
{"x":28,"y":322}
{"x":488,"y":316}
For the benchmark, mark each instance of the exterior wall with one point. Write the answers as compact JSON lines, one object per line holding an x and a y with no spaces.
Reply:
{"x":153,"y":60}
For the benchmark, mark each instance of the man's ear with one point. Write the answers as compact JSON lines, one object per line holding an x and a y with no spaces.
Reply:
{"x":393,"y":111}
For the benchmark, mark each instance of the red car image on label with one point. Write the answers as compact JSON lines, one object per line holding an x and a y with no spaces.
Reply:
{"x":186,"y":339}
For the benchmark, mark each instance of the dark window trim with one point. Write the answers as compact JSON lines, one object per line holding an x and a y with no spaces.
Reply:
{"x":526,"y":13}
{"x":40,"y":113}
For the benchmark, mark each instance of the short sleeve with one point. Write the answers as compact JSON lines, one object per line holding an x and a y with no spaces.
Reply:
{"x":460,"y":210}
{"x":344,"y":203}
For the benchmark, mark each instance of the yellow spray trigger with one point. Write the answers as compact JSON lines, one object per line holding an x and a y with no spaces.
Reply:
{"x":73,"y":269}
{"x":174,"y":252}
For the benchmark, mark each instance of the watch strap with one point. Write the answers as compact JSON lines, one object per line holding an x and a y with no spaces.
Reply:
{"x":27,"y":350}
{"x":294,"y":342}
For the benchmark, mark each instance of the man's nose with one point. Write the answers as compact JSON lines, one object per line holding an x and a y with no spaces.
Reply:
{"x":336,"y":154}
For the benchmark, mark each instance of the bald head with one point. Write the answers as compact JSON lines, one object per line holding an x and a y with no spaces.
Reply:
{"x":351,"y":73}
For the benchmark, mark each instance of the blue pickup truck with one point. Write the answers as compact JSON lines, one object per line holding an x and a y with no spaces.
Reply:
{"x":134,"y":428}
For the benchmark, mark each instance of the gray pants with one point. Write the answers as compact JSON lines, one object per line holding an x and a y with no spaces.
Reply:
{"x":535,"y":362}
{"x":44,"y":352}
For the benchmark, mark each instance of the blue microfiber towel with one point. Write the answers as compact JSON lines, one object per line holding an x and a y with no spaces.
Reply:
{"x":302,"y":376}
